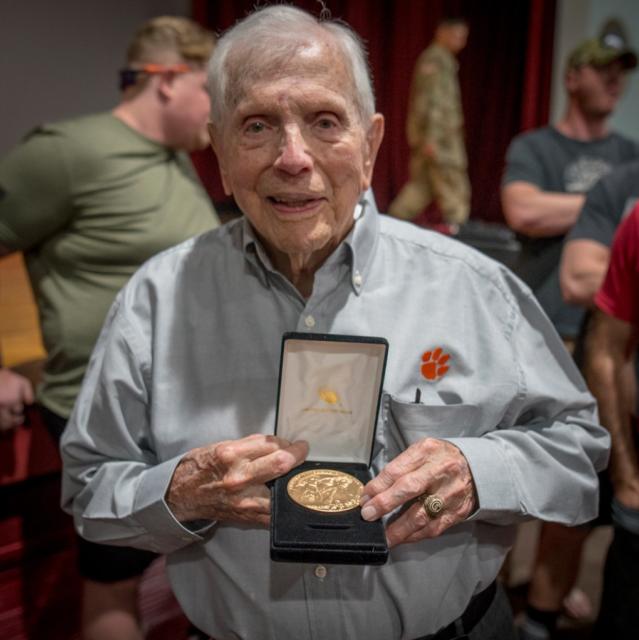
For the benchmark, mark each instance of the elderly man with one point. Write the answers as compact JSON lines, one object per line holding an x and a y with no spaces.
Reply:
{"x":170,"y":443}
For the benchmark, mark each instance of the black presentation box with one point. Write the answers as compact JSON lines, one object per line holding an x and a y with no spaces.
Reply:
{"x":329,"y":394}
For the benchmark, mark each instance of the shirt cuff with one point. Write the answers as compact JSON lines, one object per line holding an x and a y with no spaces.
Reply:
{"x":153,"y":513}
{"x":495,"y":487}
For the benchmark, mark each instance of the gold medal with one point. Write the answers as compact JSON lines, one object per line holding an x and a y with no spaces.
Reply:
{"x":325,"y":490}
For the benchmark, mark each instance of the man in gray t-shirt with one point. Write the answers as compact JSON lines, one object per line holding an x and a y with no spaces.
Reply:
{"x":555,"y":163}
{"x":548,"y":171}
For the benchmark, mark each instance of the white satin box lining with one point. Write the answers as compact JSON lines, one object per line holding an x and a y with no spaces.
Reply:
{"x":329,"y":394}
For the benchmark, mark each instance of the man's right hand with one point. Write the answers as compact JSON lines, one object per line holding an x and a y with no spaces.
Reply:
{"x":225,"y":481}
{"x":15,"y":392}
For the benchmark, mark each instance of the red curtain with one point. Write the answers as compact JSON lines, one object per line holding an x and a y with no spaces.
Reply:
{"x":504,"y":78}
{"x":536,"y":98}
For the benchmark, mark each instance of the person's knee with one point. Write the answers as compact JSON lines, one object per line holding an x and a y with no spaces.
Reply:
{"x":110,"y":610}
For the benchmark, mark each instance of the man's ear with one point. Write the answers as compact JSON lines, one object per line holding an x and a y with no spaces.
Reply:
{"x":374,"y":137}
{"x":571,"y":80}
{"x":216,"y":143}
{"x":166,"y":84}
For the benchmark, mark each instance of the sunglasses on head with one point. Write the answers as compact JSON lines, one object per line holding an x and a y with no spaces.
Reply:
{"x":129,"y":77}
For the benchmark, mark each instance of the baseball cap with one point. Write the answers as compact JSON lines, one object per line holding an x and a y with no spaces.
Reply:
{"x":601,"y":52}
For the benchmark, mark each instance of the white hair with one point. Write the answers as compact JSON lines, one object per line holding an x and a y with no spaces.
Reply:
{"x":267,"y":40}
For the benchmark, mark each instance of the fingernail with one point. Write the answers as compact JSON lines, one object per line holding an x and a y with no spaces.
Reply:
{"x":369,"y":513}
{"x":389,"y":543}
{"x":363,"y":500}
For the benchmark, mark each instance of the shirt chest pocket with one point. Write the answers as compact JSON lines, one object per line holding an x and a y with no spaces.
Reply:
{"x":406,"y":423}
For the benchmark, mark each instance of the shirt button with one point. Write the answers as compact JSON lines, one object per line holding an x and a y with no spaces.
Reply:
{"x":310,"y":321}
{"x":357,"y":280}
{"x":321,"y":572}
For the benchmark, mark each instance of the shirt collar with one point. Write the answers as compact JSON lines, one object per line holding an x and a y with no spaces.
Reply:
{"x":254,"y":252}
{"x":361,"y":241}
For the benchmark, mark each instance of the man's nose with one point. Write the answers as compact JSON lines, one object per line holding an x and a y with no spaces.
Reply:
{"x":294,"y":155}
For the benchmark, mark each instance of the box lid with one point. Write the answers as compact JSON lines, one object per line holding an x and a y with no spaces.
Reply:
{"x":329,"y":394}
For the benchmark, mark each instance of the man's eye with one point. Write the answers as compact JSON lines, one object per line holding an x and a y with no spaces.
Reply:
{"x":324,"y":123}
{"x":256,"y":127}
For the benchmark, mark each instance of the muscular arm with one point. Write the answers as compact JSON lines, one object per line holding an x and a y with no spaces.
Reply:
{"x":537,"y":213}
{"x":611,"y":377}
{"x":583,"y":268}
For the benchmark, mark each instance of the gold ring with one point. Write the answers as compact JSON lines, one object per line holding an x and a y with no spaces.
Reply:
{"x":433,"y":505}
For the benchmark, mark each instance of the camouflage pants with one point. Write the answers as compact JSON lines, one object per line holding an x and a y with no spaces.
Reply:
{"x":447,"y":185}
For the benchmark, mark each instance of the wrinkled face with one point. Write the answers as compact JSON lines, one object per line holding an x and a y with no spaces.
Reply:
{"x":295,"y":155}
{"x":188,"y":111}
{"x":597,"y":89}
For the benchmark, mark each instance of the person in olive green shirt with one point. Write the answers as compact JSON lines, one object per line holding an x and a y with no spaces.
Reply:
{"x":435,"y":131}
{"x":88,"y":201}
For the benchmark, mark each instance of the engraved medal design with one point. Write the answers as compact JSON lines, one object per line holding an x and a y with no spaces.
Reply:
{"x":325,"y":490}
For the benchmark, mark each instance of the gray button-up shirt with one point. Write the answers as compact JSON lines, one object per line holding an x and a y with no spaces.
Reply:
{"x":189,"y":356}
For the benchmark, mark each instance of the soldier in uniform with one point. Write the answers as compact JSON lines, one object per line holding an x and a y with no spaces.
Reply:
{"x":435,"y":131}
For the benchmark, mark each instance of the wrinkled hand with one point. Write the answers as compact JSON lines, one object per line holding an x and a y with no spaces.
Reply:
{"x":15,"y":392}
{"x":225,"y":481}
{"x":432,"y":466}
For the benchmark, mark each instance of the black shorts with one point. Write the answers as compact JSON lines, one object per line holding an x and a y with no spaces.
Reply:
{"x":100,"y":562}
{"x":605,"y":501}
{"x":105,"y":563}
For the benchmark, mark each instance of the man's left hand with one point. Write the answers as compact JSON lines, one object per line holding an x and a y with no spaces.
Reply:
{"x":428,"y":466}
{"x":15,"y":392}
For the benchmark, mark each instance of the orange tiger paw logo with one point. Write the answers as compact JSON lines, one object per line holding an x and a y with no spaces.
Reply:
{"x":434,"y":364}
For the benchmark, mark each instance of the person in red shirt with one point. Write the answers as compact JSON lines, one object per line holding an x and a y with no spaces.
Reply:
{"x":610,"y":351}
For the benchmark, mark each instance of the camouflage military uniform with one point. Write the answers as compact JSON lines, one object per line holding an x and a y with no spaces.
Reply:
{"x":435,"y":117}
